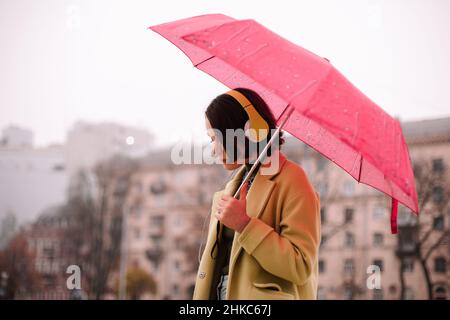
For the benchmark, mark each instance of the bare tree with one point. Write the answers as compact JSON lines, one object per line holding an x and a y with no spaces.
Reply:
{"x":95,"y":211}
{"x":420,"y":237}
{"x":327,"y":198}
{"x":17,"y":268}
{"x":8,"y":225}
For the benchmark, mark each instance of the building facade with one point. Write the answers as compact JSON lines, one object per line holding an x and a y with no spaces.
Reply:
{"x":168,"y":206}
{"x":166,"y":209}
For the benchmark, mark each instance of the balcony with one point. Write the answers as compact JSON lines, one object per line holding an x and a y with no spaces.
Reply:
{"x":407,"y":241}
{"x":155,"y":255}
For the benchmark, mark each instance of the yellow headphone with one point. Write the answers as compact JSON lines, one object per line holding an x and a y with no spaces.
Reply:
{"x":259,"y":129}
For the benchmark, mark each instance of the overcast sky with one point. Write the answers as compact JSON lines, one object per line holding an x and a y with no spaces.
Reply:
{"x":95,"y":60}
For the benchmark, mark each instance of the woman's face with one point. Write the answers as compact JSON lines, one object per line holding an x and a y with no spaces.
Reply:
{"x":217,"y":148}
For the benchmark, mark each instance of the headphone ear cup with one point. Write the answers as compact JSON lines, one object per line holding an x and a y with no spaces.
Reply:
{"x":259,"y":128}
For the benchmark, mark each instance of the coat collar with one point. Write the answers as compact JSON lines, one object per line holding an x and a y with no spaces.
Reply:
{"x":257,"y":197}
{"x":262,"y":176}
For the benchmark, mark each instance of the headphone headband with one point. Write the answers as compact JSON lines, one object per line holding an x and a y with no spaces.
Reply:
{"x":257,"y":123}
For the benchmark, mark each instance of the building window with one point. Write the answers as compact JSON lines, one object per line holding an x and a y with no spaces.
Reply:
{"x":378,"y":212}
{"x":448,"y":218}
{"x":438,"y":194}
{"x":157,"y":239}
{"x":138,"y":186}
{"x":321,"y":293}
{"x":348,"y":292}
{"x":378,"y":294}
{"x":179,"y":243}
{"x":57,"y":167}
{"x":409,"y":293}
{"x":158,"y":187}
{"x":49,"y":280}
{"x":378,"y":239}
{"x":157,"y":221}
{"x":136,"y":211}
{"x":321,"y":266}
{"x":201,"y":198}
{"x":323,"y":215}
{"x":49,"y":252}
{"x":159,"y":201}
{"x":348,"y":215}
{"x":406,"y":217}
{"x":323,"y":240}
{"x":438,"y":165}
{"x":349,"y":188}
{"x":321,"y":162}
{"x":438,"y":223}
{"x":322,"y":189}
{"x":175,"y":289}
{"x":407,"y":240}
{"x":417,"y":170}
{"x":190,"y":290}
{"x":176,"y":265}
{"x":379,"y":263}
{"x":408,"y":265}
{"x":178,"y":220}
{"x":440,"y":265}
{"x":440,"y":293}
{"x":348,"y":266}
{"x":392,"y":289}
{"x":349,"y":240}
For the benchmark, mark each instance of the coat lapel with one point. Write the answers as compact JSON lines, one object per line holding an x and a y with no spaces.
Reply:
{"x":230,"y":189}
{"x":257,"y":198}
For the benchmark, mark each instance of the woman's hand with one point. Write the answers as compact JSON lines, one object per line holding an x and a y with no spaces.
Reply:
{"x":232,"y":212}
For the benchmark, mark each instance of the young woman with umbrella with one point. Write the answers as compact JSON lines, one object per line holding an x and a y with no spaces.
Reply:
{"x":263,"y":243}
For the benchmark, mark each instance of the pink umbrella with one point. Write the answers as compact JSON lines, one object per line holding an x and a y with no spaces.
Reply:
{"x":310,"y":98}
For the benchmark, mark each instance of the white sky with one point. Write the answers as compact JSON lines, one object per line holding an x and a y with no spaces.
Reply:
{"x":63,"y":61}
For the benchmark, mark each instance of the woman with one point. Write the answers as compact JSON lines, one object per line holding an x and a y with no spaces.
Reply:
{"x":263,"y":245}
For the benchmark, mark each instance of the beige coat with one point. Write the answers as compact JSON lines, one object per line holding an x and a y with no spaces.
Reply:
{"x":276,"y":255}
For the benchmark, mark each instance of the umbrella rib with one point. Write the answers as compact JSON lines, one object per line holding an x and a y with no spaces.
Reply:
{"x":360,"y":167}
{"x":253,"y":52}
{"x":238,"y":32}
{"x":195,"y":65}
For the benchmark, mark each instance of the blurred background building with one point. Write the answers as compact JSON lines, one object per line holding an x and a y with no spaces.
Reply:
{"x":89,"y":143}
{"x":108,"y":199}
{"x":355,"y":225}
{"x":31,"y":178}
{"x":165,"y":206}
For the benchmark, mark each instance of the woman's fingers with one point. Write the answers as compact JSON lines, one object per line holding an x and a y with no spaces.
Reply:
{"x":225,"y":197}
{"x":223,"y":203}
{"x":243,"y":192}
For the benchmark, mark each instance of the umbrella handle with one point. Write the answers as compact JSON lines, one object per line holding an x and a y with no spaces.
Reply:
{"x":264,"y":151}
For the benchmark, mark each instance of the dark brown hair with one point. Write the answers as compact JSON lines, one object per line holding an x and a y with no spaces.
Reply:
{"x":224,"y":112}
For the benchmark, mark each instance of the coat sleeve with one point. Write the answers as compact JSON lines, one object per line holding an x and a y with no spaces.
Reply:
{"x":292,"y":253}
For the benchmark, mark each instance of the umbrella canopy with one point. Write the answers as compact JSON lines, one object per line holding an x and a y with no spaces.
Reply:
{"x":327,"y":112}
